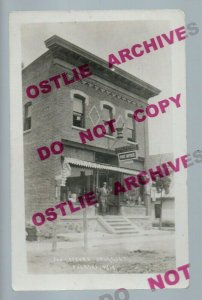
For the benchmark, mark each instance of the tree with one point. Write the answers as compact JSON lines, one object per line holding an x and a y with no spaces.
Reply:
{"x":160,"y":185}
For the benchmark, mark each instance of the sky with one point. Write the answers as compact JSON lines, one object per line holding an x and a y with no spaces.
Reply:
{"x":102,"y":38}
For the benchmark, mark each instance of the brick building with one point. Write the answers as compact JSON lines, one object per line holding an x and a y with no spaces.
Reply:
{"x":61,"y":114}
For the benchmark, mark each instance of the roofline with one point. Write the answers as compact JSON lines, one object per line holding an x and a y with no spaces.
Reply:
{"x":55,"y":41}
{"x":38,"y":58}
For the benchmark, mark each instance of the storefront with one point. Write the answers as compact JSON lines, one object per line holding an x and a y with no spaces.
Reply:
{"x":88,"y":176}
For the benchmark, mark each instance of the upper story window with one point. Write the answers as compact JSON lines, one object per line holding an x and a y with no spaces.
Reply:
{"x":27,"y":116}
{"x":107,"y":112}
{"x":78,"y":111}
{"x":107,"y":115}
{"x":131,"y":132}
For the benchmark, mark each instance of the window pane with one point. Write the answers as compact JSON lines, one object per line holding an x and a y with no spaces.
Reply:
{"x":78,"y":120}
{"x":130,"y":122}
{"x":27,"y":116}
{"x":131,"y":128}
{"x":129,"y":133}
{"x":78,"y":105}
{"x":27,"y":124}
{"x":78,"y":111}
{"x":107,"y":113}
{"x":29,"y":108}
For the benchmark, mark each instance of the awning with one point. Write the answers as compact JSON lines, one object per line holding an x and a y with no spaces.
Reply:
{"x":92,"y":165}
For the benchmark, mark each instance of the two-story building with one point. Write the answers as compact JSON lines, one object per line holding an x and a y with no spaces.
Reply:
{"x":62,"y":113}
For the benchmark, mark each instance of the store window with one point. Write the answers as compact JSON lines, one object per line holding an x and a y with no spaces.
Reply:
{"x":27,"y":116}
{"x":131,"y":132}
{"x":107,"y":115}
{"x":106,"y":159}
{"x":79,"y":111}
{"x":157,"y":211}
{"x":80,"y":182}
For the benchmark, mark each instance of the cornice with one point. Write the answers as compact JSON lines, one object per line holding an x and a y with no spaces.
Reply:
{"x":112,"y":92}
{"x":67,"y":51}
{"x":101,"y":87}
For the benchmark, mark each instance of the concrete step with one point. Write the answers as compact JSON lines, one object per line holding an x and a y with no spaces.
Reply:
{"x":115,"y":221}
{"x":117,"y":224}
{"x":126,"y":232}
{"x":124,"y":228}
{"x":112,"y":217}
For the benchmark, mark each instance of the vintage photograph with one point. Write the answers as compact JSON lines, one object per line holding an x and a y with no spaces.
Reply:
{"x":103,"y":140}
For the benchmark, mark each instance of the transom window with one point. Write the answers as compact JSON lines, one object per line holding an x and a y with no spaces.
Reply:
{"x":131,"y":132}
{"x":27,"y":116}
{"x":79,"y":111}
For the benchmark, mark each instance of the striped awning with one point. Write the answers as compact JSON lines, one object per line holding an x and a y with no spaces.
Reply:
{"x":92,"y":165}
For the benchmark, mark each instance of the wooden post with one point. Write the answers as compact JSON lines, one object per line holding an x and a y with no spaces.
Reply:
{"x":97,"y":179}
{"x":161,"y":206}
{"x":118,"y":212}
{"x":147,"y":197}
{"x":160,"y":219}
{"x":85,"y":225}
{"x":54,"y":239}
{"x":97,"y":208}
{"x":85,"y":229}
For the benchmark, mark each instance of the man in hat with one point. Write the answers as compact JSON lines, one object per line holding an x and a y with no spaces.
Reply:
{"x":103,"y":193}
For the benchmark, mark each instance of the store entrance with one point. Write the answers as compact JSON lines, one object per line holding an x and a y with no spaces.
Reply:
{"x":109,"y":204}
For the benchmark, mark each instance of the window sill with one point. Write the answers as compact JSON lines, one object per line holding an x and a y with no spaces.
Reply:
{"x":79,"y":128}
{"x":109,"y":136}
{"x":26,"y":131}
{"x":133,"y":143}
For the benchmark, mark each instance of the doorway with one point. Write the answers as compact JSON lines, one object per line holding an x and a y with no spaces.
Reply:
{"x":112,"y":201}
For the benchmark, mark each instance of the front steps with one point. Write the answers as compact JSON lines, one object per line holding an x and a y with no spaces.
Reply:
{"x":118,"y":225}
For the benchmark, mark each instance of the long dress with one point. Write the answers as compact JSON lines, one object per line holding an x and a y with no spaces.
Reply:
{"x":112,"y":204}
{"x":103,"y":200}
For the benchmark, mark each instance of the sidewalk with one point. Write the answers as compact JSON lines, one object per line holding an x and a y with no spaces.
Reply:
{"x":147,"y":240}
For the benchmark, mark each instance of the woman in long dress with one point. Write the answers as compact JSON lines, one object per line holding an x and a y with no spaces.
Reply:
{"x":103,"y":198}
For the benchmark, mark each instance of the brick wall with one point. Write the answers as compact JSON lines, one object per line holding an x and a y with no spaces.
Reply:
{"x":39,"y":175}
{"x":52,"y":120}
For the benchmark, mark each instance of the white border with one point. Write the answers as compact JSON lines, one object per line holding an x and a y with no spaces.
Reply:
{"x":20,"y":277}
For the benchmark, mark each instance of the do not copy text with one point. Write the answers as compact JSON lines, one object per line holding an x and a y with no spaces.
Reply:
{"x":45,"y":87}
{"x":50,"y":214}
{"x":160,"y":171}
{"x":171,"y":277}
{"x":152,"y":110}
{"x":154,"y":44}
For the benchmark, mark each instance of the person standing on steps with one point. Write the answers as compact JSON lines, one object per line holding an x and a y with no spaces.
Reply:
{"x":103,"y":193}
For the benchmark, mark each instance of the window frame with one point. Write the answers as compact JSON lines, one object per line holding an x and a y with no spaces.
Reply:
{"x":109,"y":105}
{"x":76,"y":113}
{"x":85,"y":103}
{"x":27,"y":119}
{"x":134,"y":133}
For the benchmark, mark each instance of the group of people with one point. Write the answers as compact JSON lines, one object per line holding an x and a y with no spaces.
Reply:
{"x":108,"y":203}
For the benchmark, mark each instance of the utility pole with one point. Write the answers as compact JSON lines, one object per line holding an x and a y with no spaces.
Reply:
{"x":85,"y":229}
{"x":57,"y":196}
{"x":85,"y":222}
